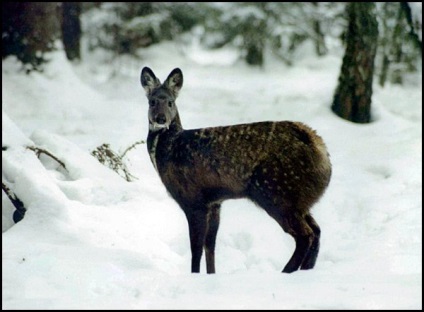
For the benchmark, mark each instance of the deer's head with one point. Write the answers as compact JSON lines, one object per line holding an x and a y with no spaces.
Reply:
{"x":162,"y":108}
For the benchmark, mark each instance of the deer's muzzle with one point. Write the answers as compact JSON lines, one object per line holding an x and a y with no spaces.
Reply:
{"x":159,"y":122}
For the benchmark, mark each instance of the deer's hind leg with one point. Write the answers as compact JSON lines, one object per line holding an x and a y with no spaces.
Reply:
{"x":269,"y":192}
{"x":300,"y":226}
{"x":297,"y":226}
{"x":311,"y":256}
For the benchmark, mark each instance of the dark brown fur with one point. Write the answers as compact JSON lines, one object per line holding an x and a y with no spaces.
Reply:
{"x":282,"y":166}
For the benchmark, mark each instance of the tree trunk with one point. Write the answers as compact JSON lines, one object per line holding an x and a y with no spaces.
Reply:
{"x":29,"y":29}
{"x":352,"y":99}
{"x":71,"y":29}
{"x":319,"y":39}
{"x":412,"y":33}
{"x":254,"y":43}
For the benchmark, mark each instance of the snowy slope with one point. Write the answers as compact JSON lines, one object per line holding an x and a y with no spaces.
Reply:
{"x":91,"y":240}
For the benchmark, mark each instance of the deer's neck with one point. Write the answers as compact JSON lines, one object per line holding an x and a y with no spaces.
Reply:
{"x":176,"y":124}
{"x":158,"y":141}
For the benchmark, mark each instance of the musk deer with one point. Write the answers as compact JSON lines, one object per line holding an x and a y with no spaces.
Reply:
{"x":282,"y":166}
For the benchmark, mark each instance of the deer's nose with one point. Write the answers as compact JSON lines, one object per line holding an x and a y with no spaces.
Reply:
{"x":160,"y":119}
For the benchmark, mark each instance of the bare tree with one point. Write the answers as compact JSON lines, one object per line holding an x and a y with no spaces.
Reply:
{"x":400,"y":46}
{"x":352,"y":99}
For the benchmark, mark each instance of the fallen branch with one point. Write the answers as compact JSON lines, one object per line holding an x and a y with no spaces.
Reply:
{"x":38,"y":151}
{"x":19,"y":214}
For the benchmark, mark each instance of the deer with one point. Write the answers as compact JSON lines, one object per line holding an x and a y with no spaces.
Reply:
{"x":282,"y":166}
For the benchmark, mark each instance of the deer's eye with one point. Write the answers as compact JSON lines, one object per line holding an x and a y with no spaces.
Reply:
{"x":170,"y":103}
{"x":152,"y":103}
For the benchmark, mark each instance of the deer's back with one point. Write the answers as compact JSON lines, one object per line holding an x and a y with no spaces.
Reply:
{"x":225,"y":162}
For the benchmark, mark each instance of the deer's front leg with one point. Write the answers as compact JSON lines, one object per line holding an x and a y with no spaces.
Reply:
{"x":197,"y":230}
{"x":210,"y":239}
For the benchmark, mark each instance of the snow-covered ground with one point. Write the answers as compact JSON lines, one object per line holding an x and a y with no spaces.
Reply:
{"x":91,"y":240}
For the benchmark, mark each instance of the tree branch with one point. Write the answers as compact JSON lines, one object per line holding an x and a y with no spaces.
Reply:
{"x":131,"y":147}
{"x":38,"y":151}
{"x":109,"y":158}
{"x":19,"y":214}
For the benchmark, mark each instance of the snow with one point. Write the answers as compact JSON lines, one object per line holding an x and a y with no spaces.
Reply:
{"x":91,"y":240}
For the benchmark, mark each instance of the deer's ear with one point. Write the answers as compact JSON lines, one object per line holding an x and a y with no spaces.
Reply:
{"x":148,"y":80}
{"x":174,"y":82}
